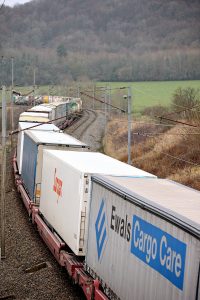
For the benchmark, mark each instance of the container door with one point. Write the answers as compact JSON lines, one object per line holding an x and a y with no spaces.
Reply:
{"x":84,"y":213}
{"x":19,"y":149}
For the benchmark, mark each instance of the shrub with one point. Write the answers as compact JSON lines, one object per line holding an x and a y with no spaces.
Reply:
{"x":157,"y":110}
{"x":186,"y":103}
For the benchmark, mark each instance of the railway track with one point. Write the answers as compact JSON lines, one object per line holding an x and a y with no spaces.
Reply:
{"x":80,"y":127}
{"x":29,"y":270}
{"x":32,"y":262}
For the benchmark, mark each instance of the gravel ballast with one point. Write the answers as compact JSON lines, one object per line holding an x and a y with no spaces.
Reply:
{"x":24,"y":250}
{"x":29,"y":270}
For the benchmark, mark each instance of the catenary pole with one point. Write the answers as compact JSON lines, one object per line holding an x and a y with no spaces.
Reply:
{"x":109,"y":101}
{"x":34,"y":85}
{"x":105,"y":106}
{"x":11,"y":97}
{"x":129,"y":124}
{"x":78,"y":90}
{"x":3,"y":175}
{"x":94,"y":87}
{"x":12,"y":70}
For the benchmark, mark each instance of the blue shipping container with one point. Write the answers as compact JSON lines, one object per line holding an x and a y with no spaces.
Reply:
{"x":34,"y":143}
{"x":30,"y":150}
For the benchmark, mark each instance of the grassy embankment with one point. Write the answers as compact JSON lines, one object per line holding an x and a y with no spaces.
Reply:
{"x":152,"y":153}
{"x":156,"y":149}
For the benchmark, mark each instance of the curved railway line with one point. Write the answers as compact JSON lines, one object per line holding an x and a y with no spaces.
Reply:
{"x":29,"y":270}
{"x":79,"y":127}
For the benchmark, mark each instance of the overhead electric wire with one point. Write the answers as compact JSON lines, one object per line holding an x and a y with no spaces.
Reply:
{"x":153,"y":134}
{"x":96,"y":99}
{"x":174,"y":157}
{"x":176,"y":121}
{"x":149,"y":124}
{"x":149,"y":95}
{"x":180,"y":111}
{"x":183,"y":106}
{"x":152,"y":97}
{"x":100,"y":88}
{"x":38,"y":124}
{"x":178,"y":158}
{"x":175,"y":112}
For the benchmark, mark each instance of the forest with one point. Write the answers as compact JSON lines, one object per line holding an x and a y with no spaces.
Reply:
{"x":105,"y":40}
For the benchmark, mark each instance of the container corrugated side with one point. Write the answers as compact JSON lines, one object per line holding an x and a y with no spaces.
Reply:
{"x":20,"y":140}
{"x":67,"y":207}
{"x":136,"y":254}
{"x":34,"y":144}
{"x":60,"y":111}
{"x":61,"y":202}
{"x":33,"y":117}
{"x":30,"y":150}
{"x":39,"y":167}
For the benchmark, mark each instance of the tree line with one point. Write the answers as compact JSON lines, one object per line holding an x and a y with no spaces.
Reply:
{"x":123,"y":40}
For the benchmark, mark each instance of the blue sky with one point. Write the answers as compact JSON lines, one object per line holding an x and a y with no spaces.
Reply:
{"x":13,"y":2}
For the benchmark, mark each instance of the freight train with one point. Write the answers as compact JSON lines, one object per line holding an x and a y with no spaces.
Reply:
{"x":120,"y":232}
{"x":59,"y":113}
{"x":19,"y":99}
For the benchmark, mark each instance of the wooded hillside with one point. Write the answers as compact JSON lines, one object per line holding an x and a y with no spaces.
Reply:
{"x":111,"y":40}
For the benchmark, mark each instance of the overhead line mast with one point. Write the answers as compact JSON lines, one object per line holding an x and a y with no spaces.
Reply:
{"x":3,"y":176}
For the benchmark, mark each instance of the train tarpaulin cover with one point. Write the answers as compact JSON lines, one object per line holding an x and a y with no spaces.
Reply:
{"x":143,"y":238}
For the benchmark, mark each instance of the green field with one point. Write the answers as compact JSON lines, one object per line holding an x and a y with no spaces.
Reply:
{"x":153,"y":92}
{"x":144,"y":94}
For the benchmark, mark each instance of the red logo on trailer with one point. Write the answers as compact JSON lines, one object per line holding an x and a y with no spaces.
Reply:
{"x":57,"y":187}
